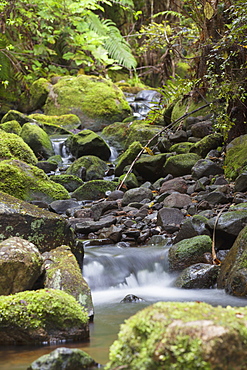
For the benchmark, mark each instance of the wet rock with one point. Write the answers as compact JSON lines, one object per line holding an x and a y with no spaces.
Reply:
{"x":241,"y":183}
{"x":198,"y":276}
{"x":169,"y":219}
{"x":41,"y":316}
{"x":46,"y":166}
{"x":130,"y":298}
{"x":115,"y":195}
{"x":208,"y":143}
{"x":205,"y":167}
{"x":191,"y":227}
{"x":215,"y":338}
{"x":231,"y":222}
{"x":235,"y":160}
{"x":20,"y":265}
{"x":93,"y":190}
{"x":64,"y":358}
{"x":114,"y":233}
{"x":88,"y":168}
{"x":217,"y":197}
{"x":69,"y":182}
{"x":180,"y":164}
{"x":177,"y":184}
{"x":178,"y":136}
{"x":150,"y":167}
{"x":86,"y":227}
{"x":188,"y":252}
{"x":201,"y":129}
{"x":60,"y":206}
{"x":87,"y":142}
{"x":177,"y":200}
{"x":233,"y":273}
{"x":136,"y":195}
{"x":98,"y":209}
{"x":64,"y":273}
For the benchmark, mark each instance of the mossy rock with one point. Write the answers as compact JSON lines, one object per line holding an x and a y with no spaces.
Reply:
{"x":150,"y":167}
{"x":94,"y":190}
{"x":13,"y":147}
{"x":64,"y":273}
{"x":37,"y":139}
{"x":88,"y":142}
{"x":188,"y":105}
{"x":95,"y":168}
{"x":236,"y":157}
{"x":188,"y":335}
{"x":69,"y":182}
{"x":188,"y":252}
{"x":28,"y":182}
{"x":130,"y":181}
{"x":41,"y":316}
{"x":180,"y":164}
{"x":181,"y":148}
{"x":11,"y":127}
{"x":38,"y":94}
{"x":143,"y":132}
{"x":209,"y":142}
{"x":65,"y":122}
{"x":127,"y":157}
{"x":17,"y":116}
{"x":95,"y":100}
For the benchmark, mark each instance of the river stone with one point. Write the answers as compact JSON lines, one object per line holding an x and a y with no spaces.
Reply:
{"x":193,"y":226}
{"x":61,"y":206}
{"x":41,"y":316}
{"x":216,"y":197}
{"x":230,"y":223}
{"x":205,"y":167}
{"x":178,"y":136}
{"x":150,"y":167}
{"x":95,"y":100}
{"x":180,"y":164}
{"x":37,"y":139}
{"x":87,"y":142}
{"x":178,"y":184}
{"x":88,"y":226}
{"x":169,"y":219}
{"x":88,"y":168}
{"x":98,"y":209}
{"x":233,"y":273}
{"x":94,"y":190}
{"x":201,"y":129}
{"x":177,"y":200}
{"x":241,"y":183}
{"x":20,"y":265}
{"x":13,"y":147}
{"x":208,"y":143}
{"x":44,"y":229}
{"x":64,"y":273}
{"x":198,"y":276}
{"x":136,"y":195}
{"x":187,"y":335}
{"x":181,"y":148}
{"x":65,"y":359}
{"x":27,"y":182}
{"x":188,"y":252}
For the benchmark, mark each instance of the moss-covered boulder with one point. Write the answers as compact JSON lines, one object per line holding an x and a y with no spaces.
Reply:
{"x":93,"y":190}
{"x":150,"y":167}
{"x":233,"y":273}
{"x":45,"y":315}
{"x":46,"y":230}
{"x":181,"y":148}
{"x":206,"y":144}
{"x":127,"y":157}
{"x":143,"y":132}
{"x":188,"y":252}
{"x":236,"y":157}
{"x":69,"y":182}
{"x":13,"y":147}
{"x":37,"y":139}
{"x":20,"y":265}
{"x":180,"y":164}
{"x":12,"y":127}
{"x":189,"y":335}
{"x":65,"y":122}
{"x":95,"y":100}
{"x":38,"y":94}
{"x":129,"y":180}
{"x":64,"y":273}
{"x":17,"y":116}
{"x":88,"y":168}
{"x":66,"y":359}
{"x":88,"y":142}
{"x":28,"y":182}
{"x":117,"y":133}
{"x":187,"y":105}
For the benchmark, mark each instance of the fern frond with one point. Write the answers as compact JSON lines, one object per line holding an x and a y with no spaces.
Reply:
{"x":113,"y":42}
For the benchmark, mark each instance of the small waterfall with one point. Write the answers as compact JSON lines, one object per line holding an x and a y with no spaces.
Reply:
{"x":142,"y":102}
{"x":60,"y":148}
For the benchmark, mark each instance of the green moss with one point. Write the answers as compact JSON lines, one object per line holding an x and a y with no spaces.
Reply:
{"x":93,"y":190}
{"x":168,"y":335}
{"x":37,"y":309}
{"x":13,"y":147}
{"x":180,"y":164}
{"x":206,"y":144}
{"x":127,"y":157}
{"x":12,"y":127}
{"x":95,"y":167}
{"x":142,"y":131}
{"x":236,"y":157}
{"x":186,"y":106}
{"x":28,"y":182}
{"x":65,"y":121}
{"x":181,"y":148}
{"x":69,"y":182}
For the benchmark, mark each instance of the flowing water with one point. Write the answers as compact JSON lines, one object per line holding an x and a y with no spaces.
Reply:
{"x":112,"y":273}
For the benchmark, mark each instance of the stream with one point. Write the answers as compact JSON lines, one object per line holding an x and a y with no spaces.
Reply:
{"x":113,"y":272}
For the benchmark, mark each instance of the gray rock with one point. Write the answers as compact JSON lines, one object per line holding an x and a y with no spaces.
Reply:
{"x":241,"y":182}
{"x":61,"y":206}
{"x":86,"y":227}
{"x":178,"y":136}
{"x":130,"y":298}
{"x":20,"y":265}
{"x":192,"y":227}
{"x":177,"y":184}
{"x":98,"y":209}
{"x":201,"y":129}
{"x":169,"y":218}
{"x":65,"y":359}
{"x":205,"y":167}
{"x":231,"y":222}
{"x":177,"y":200}
{"x":136,"y":195}
{"x":198,"y":276}
{"x":150,"y":167}
{"x":217,"y":197}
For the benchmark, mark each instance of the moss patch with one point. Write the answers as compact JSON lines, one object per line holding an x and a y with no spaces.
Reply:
{"x":12,"y":127}
{"x":236,"y":157}
{"x":65,"y":121}
{"x":93,"y":190}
